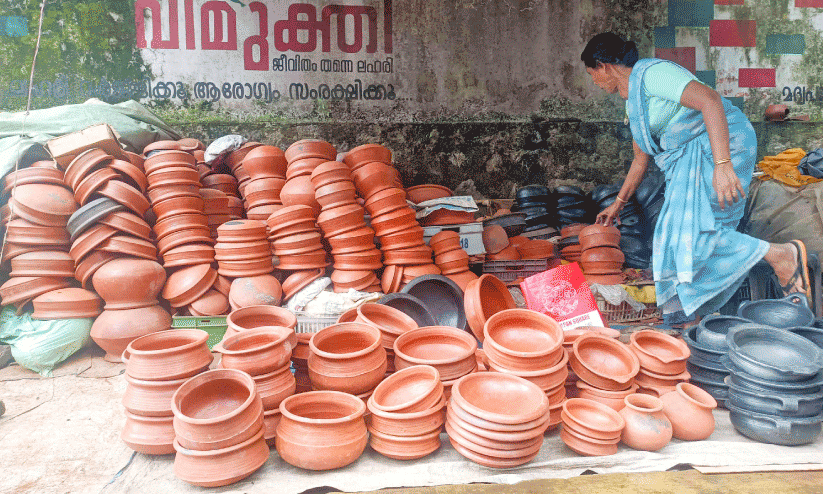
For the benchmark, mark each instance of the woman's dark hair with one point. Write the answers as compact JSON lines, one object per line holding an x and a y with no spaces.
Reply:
{"x":609,"y":48}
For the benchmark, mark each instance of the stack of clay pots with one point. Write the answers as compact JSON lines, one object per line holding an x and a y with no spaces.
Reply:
{"x":449,"y":350}
{"x":188,"y":284}
{"x":483,"y":425}
{"x":243,"y":249}
{"x":575,"y":387}
{"x":302,"y":158}
{"x":296,"y":243}
{"x":390,"y":321}
{"x":662,"y":360}
{"x":569,"y":243}
{"x":407,"y":413}
{"x":218,"y":427}
{"x":265,"y":354}
{"x":37,"y":243}
{"x":224,"y":182}
{"x":356,"y":258}
{"x":234,"y":162}
{"x":535,"y":249}
{"x":262,"y":289}
{"x":529,"y":344}
{"x":130,"y":288}
{"x":604,"y":367}
{"x":591,"y":428}
{"x":266,"y":168}
{"x":216,"y":206}
{"x":451,"y":259}
{"x":601,"y":258}
{"x":157,"y":364}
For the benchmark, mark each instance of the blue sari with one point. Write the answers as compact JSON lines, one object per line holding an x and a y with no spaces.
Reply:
{"x":698,"y":256}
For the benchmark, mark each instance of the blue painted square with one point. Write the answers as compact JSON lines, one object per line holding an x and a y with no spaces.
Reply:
{"x":737,"y":101}
{"x":707,"y":77}
{"x":664,"y":37}
{"x":786,"y":44}
{"x":14,"y":25}
{"x":691,"y":13}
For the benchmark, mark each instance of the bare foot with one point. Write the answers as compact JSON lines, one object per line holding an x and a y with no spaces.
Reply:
{"x":783,"y":259}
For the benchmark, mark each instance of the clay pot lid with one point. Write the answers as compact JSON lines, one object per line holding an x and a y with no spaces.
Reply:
{"x":46,"y":204}
{"x":89,"y":240}
{"x":25,"y":232}
{"x":660,"y":346}
{"x":128,"y":223}
{"x":594,"y":415}
{"x":188,"y":284}
{"x":310,"y":148}
{"x":188,"y":255}
{"x":523,"y":333}
{"x":386,"y":318}
{"x":84,"y":163}
{"x":499,"y":397}
{"x":606,"y":357}
{"x":242,"y":230}
{"x":255,"y":290}
{"x":404,"y":389}
{"x":67,"y":303}
{"x":43,"y":263}
{"x":89,"y":265}
{"x":126,"y":195}
{"x":26,"y":288}
{"x":31,"y":175}
{"x":482,"y":299}
{"x":366,"y":153}
{"x":211,"y":303}
{"x":133,"y":246}
{"x":427,"y":192}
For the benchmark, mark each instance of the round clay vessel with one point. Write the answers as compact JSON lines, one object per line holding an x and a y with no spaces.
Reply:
{"x":523,"y":340}
{"x":482,"y":299}
{"x":414,"y":389}
{"x":490,"y":395}
{"x":689,"y":409}
{"x":427,"y":192}
{"x":598,"y":235}
{"x":256,"y":290}
{"x":310,"y":148}
{"x":219,"y":467}
{"x":548,"y":379}
{"x":659,"y":352}
{"x":386,"y":201}
{"x":299,"y":280}
{"x":167,"y":355}
{"x":148,"y":435}
{"x":407,"y":423}
{"x":113,"y":330}
{"x":128,"y":283}
{"x":321,"y":430}
{"x":593,"y":419}
{"x":43,"y":204}
{"x":256,"y":316}
{"x":150,"y":398}
{"x":299,"y":191}
{"x":256,"y":351}
{"x":449,"y":350}
{"x":404,"y":448}
{"x":212,"y":303}
{"x":265,"y":161}
{"x":390,"y":321}
{"x":189,"y":283}
{"x":275,"y":386}
{"x":365,"y":153}
{"x":347,"y":357}
{"x":647,"y":427}
{"x":604,"y":362}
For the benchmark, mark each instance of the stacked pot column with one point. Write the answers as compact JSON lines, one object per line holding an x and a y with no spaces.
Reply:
{"x":266,"y":169}
{"x":296,"y":244}
{"x":242,"y":249}
{"x":405,"y":253}
{"x":601,"y":258}
{"x":605,"y":369}
{"x":450,"y":257}
{"x":662,"y":361}
{"x":234,"y":163}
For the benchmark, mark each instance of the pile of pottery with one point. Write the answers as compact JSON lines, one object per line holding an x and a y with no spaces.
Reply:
{"x":451,"y":259}
{"x":243,"y":249}
{"x":322,"y":430}
{"x":265,"y":354}
{"x":483,"y":298}
{"x":342,"y":219}
{"x":539,"y":205}
{"x":774,"y":385}
{"x":297,"y":245}
{"x":390,"y":321}
{"x":36,"y":243}
{"x":218,"y":427}
{"x":217,"y":208}
{"x":662,"y":361}
{"x":302,"y":157}
{"x":591,"y":428}
{"x":573,"y":206}
{"x":157,"y":364}
{"x":130,"y":289}
{"x":606,"y":366}
{"x":569,"y":243}
{"x":575,"y":387}
{"x":266,"y":170}
{"x":449,"y":350}
{"x":407,"y":413}
{"x":497,"y":420}
{"x":601,"y":258}
{"x":262,"y":289}
{"x":234,"y":163}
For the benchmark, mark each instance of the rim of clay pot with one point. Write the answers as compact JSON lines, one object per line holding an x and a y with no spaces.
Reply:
{"x":197,"y":338}
{"x":604,"y":393}
{"x":696,"y":395}
{"x":678,"y":346}
{"x":193,"y":383}
{"x":427,"y":377}
{"x":356,"y":406}
{"x":616,"y":421}
{"x":522,"y":415}
{"x":333,"y":330}
{"x":643,"y":403}
{"x":504,"y":319}
{"x":253,"y":340}
{"x":616,"y":347}
{"x":368,"y":312}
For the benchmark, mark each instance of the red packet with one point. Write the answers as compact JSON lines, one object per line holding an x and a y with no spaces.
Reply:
{"x":563,"y":294}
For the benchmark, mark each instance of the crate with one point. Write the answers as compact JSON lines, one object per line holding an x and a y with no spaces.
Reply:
{"x":215,"y":326}
{"x":314,"y":323}
{"x":623,"y":313}
{"x":513,"y":272}
{"x":471,"y":236}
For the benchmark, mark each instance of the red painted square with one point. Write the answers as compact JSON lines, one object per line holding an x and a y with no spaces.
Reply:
{"x":741,"y":32}
{"x":814,"y":4}
{"x":729,"y":2}
{"x":756,"y":78}
{"x":681,"y":56}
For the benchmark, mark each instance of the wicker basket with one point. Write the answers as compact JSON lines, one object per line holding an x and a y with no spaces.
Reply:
{"x":624,"y":312}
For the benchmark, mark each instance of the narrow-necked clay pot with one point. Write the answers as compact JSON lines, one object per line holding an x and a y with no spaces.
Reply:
{"x":689,"y":409}
{"x":129,"y":283}
{"x":113,"y":330}
{"x":647,"y":427}
{"x":256,"y":351}
{"x":347,"y":357}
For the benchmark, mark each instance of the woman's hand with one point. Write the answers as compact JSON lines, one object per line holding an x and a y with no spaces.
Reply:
{"x":727,"y":185}
{"x":611,"y":213}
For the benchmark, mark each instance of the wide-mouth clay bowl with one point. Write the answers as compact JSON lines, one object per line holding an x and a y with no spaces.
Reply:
{"x":449,"y":350}
{"x":549,"y":379}
{"x":404,"y":448}
{"x":406,"y":424}
{"x":659,"y":352}
{"x":604,"y":362}
{"x":256,"y":316}
{"x":347,"y":357}
{"x":413,"y":389}
{"x":775,"y":354}
{"x":501,"y":398}
{"x":167,"y":355}
{"x":523,"y":339}
{"x":592,"y":419}
{"x":366,"y":153}
{"x":569,"y":335}
{"x":221,"y":467}
{"x":256,"y":351}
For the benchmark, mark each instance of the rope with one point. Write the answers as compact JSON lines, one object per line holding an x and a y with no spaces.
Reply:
{"x":23,"y":122}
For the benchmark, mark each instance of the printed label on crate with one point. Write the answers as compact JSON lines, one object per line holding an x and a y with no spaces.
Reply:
{"x":563,"y":294}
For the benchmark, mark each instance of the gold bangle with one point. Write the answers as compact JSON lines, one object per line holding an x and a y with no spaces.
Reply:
{"x":720,"y":162}
{"x":618,"y":198}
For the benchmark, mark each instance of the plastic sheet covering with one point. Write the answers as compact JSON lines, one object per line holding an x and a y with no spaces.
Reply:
{"x":136,"y":126}
{"x":778,"y":213}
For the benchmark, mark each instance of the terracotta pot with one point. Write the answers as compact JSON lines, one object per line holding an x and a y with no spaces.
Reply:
{"x":168,"y":355}
{"x":341,"y":220}
{"x":265,"y":161}
{"x":263,"y":190}
{"x":548,"y":379}
{"x":612,"y":399}
{"x":212,"y":303}
{"x":83,"y":164}
{"x":510,"y":253}
{"x":148,"y":435}
{"x":489,"y":395}
{"x":407,"y":424}
{"x":598,"y":235}
{"x":126,"y":195}
{"x":493,"y":430}
{"x":369,"y":259}
{"x":503,"y":448}
{"x":495,"y":239}
{"x":647,"y":427}
{"x":131,"y":174}
{"x":31,"y":175}
{"x":188,"y":255}
{"x":66,"y":303}
{"x":290,"y":215}
{"x":300,"y":191}
{"x":447,"y":217}
{"x":235,"y":158}
{"x":299,"y":280}
{"x":357,"y":280}
{"x":336,"y":194}
{"x":53,"y":263}
{"x":90,"y":264}
{"x":256,"y":290}
{"x":91,"y":183}
{"x":689,"y":409}
{"x":128,"y":223}
{"x":256,"y":316}
{"x":603,"y":362}
{"x":394,"y":222}
{"x":168,"y":208}
{"x":129,"y":283}
{"x":150,"y":398}
{"x":420,"y":193}
{"x":374,"y":177}
{"x":275,"y":386}
{"x":449,"y":350}
{"x":404,"y":448}
{"x":321,"y":430}
{"x":581,"y":444}
{"x":271,"y":418}
{"x":403,"y":239}
{"x":43,"y":204}
{"x":386,"y":201}
{"x":303,"y":167}
{"x":365,"y":153}
{"x":21,"y":231}
{"x":523,"y":340}
{"x":414,"y":389}
{"x":390,"y":321}
{"x":330,"y":172}
{"x":310,"y":148}
{"x":347,"y":357}
{"x":221,"y":467}
{"x":256,"y":351}
{"x":659,"y":352}
{"x":113,"y":330}
{"x":593,"y":419}
{"x":482,"y":299}
{"x":216,"y":409}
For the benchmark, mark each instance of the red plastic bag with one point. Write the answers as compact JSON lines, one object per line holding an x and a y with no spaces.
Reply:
{"x":563,"y":294}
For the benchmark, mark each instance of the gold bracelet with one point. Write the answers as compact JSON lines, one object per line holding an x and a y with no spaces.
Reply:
{"x":618,"y":198}
{"x":720,"y":162}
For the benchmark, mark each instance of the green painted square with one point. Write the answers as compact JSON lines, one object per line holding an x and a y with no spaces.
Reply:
{"x":691,"y":13}
{"x":737,"y":101}
{"x":786,"y":44}
{"x":664,"y":37}
{"x":707,"y":77}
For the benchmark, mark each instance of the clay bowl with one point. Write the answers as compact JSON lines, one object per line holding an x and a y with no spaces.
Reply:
{"x":31,"y":175}
{"x":536,"y":249}
{"x":20,"y":231}
{"x":510,"y":253}
{"x":321,"y":430}
{"x":260,"y":213}
{"x":612,"y":399}
{"x":464,"y":434}
{"x":173,"y":175}
{"x":410,"y":257}
{"x":235,"y":158}
{"x":330,"y":172}
{"x":190,"y":236}
{"x":407,"y":424}
{"x":129,"y":283}
{"x":89,"y":265}
{"x":427,"y":192}
{"x":570,"y":335}
{"x":572,"y":230}
{"x":310,"y":148}
{"x":43,"y":263}
{"x":442,"y":296}
{"x":242,"y":231}
{"x":179,"y":221}
{"x":242,"y":251}
{"x":592,"y":419}
{"x":259,"y":315}
{"x":549,"y":379}
{"x":148,"y":435}
{"x":414,"y":389}
{"x":158,"y":194}
{"x":393,"y":222}
{"x":265,"y":161}
{"x":296,"y":262}
{"x":298,"y":244}
{"x":347,"y":357}
{"x":369,"y":259}
{"x":256,"y":351}
{"x":390,"y":321}
{"x":523,"y":340}
{"x":188,"y":284}
{"x":150,"y":398}
{"x":483,"y":298}
{"x":448,"y":349}
{"x":648,"y":380}
{"x":336,"y":194}
{"x":500,"y":398}
{"x":299,"y":280}
{"x":492,"y":458}
{"x":130,"y":246}
{"x":126,"y":195}
{"x":130,"y":173}
{"x":90,"y":240}
{"x":374,"y":177}
{"x":659,"y":352}
{"x":303,"y":167}
{"x":66,"y":303}
{"x":386,"y":201}
{"x":496,"y":434}
{"x":357,"y":280}
{"x":84,"y":164}
{"x":92,"y":182}
{"x":300,"y":191}
{"x":216,"y":409}
{"x":255,"y":290}
{"x":183,"y":204}
{"x":113,"y":330}
{"x":263,"y":191}
{"x":367,"y":153}
{"x":451,"y":257}
{"x":599,"y":235}
{"x":604,"y":362}
{"x":404,"y":448}
{"x":341,"y":220}
{"x":403,"y":239}
{"x":167,"y":355}
{"x":602,"y":254}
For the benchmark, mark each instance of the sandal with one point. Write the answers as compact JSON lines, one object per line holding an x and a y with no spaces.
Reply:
{"x":801,"y":272}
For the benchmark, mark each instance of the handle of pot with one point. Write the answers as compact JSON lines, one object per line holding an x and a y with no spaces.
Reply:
{"x":743,"y":305}
{"x":783,"y":427}
{"x":125,"y":356}
{"x":797,"y":299}
{"x":790,"y":403}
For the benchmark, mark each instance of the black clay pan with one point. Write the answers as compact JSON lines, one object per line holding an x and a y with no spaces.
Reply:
{"x":411,"y":306}
{"x":774,"y":354}
{"x":743,"y":379}
{"x":773,"y":403}
{"x":774,"y":430}
{"x":442,"y":297}
{"x":789,"y":312}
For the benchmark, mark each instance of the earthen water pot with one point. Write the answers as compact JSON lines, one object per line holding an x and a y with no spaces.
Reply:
{"x":689,"y":409}
{"x":598,"y":235}
{"x":128,"y":283}
{"x":265,"y":161}
{"x":482,"y":299}
{"x":659,"y":352}
{"x":522,"y":340}
{"x":321,"y":430}
{"x":310,"y":148}
{"x":390,"y":321}
{"x":366,"y":153}
{"x":347,"y":357}
{"x":647,"y":427}
{"x":300,"y":191}
{"x":386,"y":201}
{"x":604,"y":362}
{"x":148,"y":435}
{"x":188,"y":284}
{"x":410,"y":390}
{"x":256,"y":316}
{"x":449,"y":350}
{"x":593,"y":419}
{"x":256,"y":351}
{"x":167,"y":355}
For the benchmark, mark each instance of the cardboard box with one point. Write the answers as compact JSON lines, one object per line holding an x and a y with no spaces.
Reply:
{"x":65,"y":148}
{"x":563,"y":294}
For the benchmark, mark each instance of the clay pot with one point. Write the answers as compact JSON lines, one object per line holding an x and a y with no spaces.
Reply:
{"x":126,"y":195}
{"x":394,"y":222}
{"x":66,"y":303}
{"x":113,"y":330}
{"x":496,"y":431}
{"x":495,"y":239}
{"x":271,"y":418}
{"x":659,"y":352}
{"x":414,"y":389}
{"x":150,"y":398}
{"x":357,"y":280}
{"x":367,"y":153}
{"x":407,"y":424}
{"x":256,"y":316}
{"x":92,"y":183}
{"x":347,"y":357}
{"x":299,"y":191}
{"x":215,"y":468}
{"x":52,"y":263}
{"x":374,"y":177}
{"x":275,"y":386}
{"x":548,"y":379}
{"x":510,"y":253}
{"x":299,"y":280}
{"x":131,"y":174}
{"x":449,"y":350}
{"x":342,"y":221}
{"x":603,"y":362}
{"x":489,"y":395}
{"x":447,"y":217}
{"x":386,"y":201}
{"x":235,"y":158}
{"x":168,"y":355}
{"x":599,"y":235}
{"x":128,"y":223}
{"x":83,"y":164}
{"x":592,"y":419}
{"x":336,"y":194}
{"x":216,"y":409}
{"x":612,"y":399}
{"x":43,"y":204}
{"x":24,"y":288}
{"x":256,"y":290}
{"x":89,"y":265}
{"x":303,"y":167}
{"x":148,"y":435}
{"x":188,"y":284}
{"x":321,"y":430}
{"x":482,"y":299}
{"x":129,"y":283}
{"x":427,"y":192}
{"x":587,"y":446}
{"x":265,"y":161}
{"x":188,"y":255}
{"x":369,"y":259}
{"x":602,"y":254}
{"x":330,"y":172}
{"x":689,"y":409}
{"x":647,"y":427}
{"x":212,"y":303}
{"x":523,"y":340}
{"x":390,"y":321}
{"x":310,"y":148}
{"x":256,"y":351}
{"x":404,"y":448}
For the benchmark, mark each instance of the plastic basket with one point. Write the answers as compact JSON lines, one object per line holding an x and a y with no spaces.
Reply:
{"x":215,"y":326}
{"x":313,"y":323}
{"x":513,"y":272}
{"x":624,"y":312}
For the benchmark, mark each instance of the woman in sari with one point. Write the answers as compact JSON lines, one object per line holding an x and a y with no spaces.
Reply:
{"x":706,"y":148}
